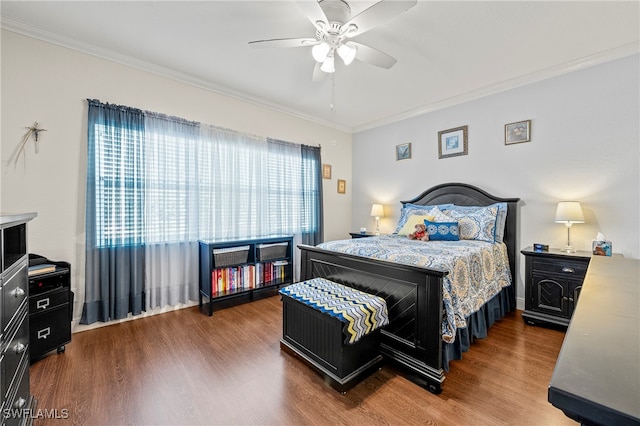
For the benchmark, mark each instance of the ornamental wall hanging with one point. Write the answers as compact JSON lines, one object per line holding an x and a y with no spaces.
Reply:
{"x":34,"y":131}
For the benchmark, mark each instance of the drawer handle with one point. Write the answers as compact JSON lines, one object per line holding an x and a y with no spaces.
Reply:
{"x":568,"y":270}
{"x":18,"y":292}
{"x":19,"y":403}
{"x":20,"y":347}
{"x":44,"y":333}
{"x":42,"y":303}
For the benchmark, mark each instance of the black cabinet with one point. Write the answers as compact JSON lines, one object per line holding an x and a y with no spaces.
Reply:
{"x":553,"y":281}
{"x":50,"y":310}
{"x":236,"y":271}
{"x":362,"y":235}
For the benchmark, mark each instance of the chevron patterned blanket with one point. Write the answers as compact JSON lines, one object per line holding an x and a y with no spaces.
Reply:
{"x":361,"y":312}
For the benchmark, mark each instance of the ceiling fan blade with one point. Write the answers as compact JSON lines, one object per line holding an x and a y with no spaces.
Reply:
{"x":373,"y":56}
{"x":375,"y":15}
{"x":283,"y":42}
{"x":313,"y":12}
{"x":318,"y":74}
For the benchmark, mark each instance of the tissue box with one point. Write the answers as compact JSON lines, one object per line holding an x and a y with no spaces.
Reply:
{"x":601,"y":247}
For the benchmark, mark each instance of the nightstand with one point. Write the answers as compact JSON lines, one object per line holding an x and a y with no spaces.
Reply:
{"x":553,"y":280}
{"x":361,"y":235}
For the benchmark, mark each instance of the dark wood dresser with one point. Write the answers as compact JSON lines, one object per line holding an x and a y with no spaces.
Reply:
{"x":596,"y":380}
{"x":17,"y":402}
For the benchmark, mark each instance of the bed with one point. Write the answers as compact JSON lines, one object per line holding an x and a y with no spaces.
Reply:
{"x":413,"y":339}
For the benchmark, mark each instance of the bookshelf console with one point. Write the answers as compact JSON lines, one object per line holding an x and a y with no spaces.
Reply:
{"x":237,"y":271}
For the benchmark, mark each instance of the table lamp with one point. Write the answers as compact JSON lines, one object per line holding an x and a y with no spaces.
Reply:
{"x":569,"y":212}
{"x":377,"y":211}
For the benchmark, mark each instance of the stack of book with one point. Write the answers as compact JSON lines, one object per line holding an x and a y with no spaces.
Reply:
{"x":42,"y":268}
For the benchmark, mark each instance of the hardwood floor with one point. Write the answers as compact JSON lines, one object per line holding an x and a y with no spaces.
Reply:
{"x":184,"y":367}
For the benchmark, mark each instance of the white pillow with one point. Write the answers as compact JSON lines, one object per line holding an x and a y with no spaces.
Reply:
{"x":410,"y":225}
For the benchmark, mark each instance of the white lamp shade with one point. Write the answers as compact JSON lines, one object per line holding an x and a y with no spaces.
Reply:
{"x":327,"y":65}
{"x":320,"y":52}
{"x":377,"y":210}
{"x":569,"y":212}
{"x":347,"y":52}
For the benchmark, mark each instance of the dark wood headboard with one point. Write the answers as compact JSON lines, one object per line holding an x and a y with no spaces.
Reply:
{"x":463,"y":194}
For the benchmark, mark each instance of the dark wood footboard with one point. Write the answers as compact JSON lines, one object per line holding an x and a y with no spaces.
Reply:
{"x":413,"y":337}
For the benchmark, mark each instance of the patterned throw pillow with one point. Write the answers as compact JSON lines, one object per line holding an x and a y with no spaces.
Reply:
{"x":439,"y":216}
{"x":476,"y":225}
{"x":442,"y":231}
{"x":409,"y":209}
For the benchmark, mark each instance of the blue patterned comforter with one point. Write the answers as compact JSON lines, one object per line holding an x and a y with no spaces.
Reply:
{"x":478,"y":270}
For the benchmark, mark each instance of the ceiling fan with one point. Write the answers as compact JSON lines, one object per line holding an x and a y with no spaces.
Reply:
{"x":334,"y":30}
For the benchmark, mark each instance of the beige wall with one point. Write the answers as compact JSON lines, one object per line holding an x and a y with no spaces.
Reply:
{"x":49,"y":84}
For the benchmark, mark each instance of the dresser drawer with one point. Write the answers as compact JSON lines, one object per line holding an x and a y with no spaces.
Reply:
{"x":15,"y":351}
{"x":19,"y":403}
{"x":14,"y":293}
{"x":568,"y":268}
{"x":47,"y":300}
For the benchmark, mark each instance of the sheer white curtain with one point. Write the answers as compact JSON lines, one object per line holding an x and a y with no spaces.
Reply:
{"x":233,"y":184}
{"x":171,"y":210}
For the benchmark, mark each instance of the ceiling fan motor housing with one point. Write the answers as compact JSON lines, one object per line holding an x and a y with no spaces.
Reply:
{"x":337,"y":12}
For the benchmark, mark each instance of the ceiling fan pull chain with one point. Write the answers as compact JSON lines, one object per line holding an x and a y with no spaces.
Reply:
{"x":333,"y":92}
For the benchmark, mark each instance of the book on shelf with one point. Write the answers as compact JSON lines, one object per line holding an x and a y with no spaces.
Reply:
{"x":43,"y":268}
{"x":247,"y":277}
{"x":233,"y":278}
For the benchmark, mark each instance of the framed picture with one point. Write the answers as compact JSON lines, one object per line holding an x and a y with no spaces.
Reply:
{"x":452,"y":142}
{"x":403,"y":151}
{"x":342,"y":186}
{"x":517,"y":132}
{"x":326,"y":171}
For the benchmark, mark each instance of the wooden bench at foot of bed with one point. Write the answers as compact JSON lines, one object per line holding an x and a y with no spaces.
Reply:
{"x":329,"y":344}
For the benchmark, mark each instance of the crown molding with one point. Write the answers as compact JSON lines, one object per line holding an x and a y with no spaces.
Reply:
{"x":568,"y":67}
{"x":555,"y":71}
{"x":31,"y":31}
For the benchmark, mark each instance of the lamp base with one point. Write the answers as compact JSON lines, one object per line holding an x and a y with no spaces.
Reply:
{"x":568,"y":248}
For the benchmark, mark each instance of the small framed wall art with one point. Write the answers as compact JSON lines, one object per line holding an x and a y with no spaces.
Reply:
{"x":326,"y":171}
{"x":452,"y":142}
{"x":342,"y":186}
{"x":517,"y":132}
{"x":403,"y":151}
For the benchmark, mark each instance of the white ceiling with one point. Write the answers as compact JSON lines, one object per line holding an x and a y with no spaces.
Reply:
{"x":447,"y":51}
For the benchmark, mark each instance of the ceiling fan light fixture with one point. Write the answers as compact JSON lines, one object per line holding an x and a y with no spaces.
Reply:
{"x":320,"y":52}
{"x":347,"y":52}
{"x":328,"y":66}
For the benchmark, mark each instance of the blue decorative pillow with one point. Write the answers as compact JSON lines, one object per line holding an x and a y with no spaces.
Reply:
{"x":477,"y":225}
{"x":442,"y":231}
{"x":409,"y":209}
